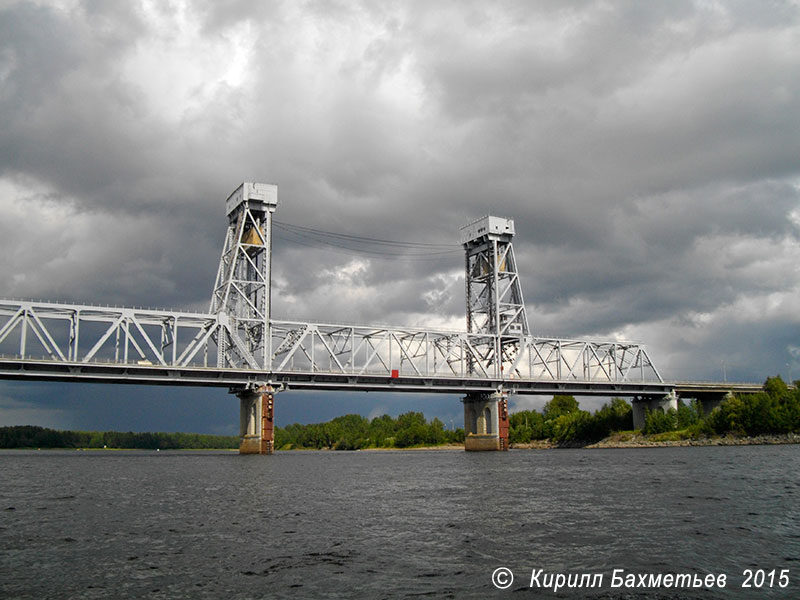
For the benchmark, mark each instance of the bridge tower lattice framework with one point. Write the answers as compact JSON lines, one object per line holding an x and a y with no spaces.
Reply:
{"x":495,"y":307}
{"x":242,"y":296}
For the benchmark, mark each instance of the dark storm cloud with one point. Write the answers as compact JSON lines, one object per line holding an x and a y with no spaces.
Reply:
{"x":649,"y":154}
{"x":69,"y":120}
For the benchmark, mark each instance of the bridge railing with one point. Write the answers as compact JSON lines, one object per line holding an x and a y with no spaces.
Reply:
{"x":68,"y":334}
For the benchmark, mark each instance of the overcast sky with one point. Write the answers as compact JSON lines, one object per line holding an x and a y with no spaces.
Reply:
{"x":649,"y":153}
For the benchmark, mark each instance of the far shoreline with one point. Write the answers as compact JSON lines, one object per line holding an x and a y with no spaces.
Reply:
{"x":615,"y":441}
{"x":643,"y":441}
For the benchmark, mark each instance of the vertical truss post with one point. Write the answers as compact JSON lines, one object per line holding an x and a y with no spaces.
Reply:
{"x":242,"y":291}
{"x":495,"y":306}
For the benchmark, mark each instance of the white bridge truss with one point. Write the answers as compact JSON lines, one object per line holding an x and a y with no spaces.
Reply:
{"x":52,"y":341}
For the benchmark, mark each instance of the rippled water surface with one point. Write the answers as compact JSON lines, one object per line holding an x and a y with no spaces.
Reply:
{"x":392,"y":524}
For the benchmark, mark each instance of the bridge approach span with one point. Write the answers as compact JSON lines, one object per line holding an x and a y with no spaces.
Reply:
{"x":702,"y":389}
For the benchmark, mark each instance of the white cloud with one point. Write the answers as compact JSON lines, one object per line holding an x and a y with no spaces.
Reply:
{"x":178,"y":67}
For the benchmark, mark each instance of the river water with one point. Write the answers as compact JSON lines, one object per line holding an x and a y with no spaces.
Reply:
{"x":103,"y":524}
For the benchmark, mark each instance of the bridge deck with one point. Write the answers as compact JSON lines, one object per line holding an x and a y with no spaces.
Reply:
{"x":43,"y":370}
{"x":707,"y":389}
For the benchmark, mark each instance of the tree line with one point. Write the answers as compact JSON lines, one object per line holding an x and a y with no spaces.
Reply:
{"x":354,"y":432}
{"x":30,"y":436}
{"x":349,"y":432}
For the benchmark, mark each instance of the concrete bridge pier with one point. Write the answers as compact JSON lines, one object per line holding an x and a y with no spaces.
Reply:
{"x":652,"y":403}
{"x":709,"y":402}
{"x":485,"y":422}
{"x":256,"y":420}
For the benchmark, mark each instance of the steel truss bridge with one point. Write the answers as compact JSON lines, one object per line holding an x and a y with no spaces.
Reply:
{"x":68,"y":342}
{"x":238,"y":344}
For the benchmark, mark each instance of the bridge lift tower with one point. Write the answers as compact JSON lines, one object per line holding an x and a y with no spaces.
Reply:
{"x":242,"y":296}
{"x":495,"y":308}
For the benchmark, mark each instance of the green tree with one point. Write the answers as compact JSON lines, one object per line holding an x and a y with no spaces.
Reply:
{"x":560,"y":405}
{"x":688,"y":414}
{"x":617,"y":415}
{"x":436,"y":434}
{"x":525,"y":426}
{"x":410,"y":418}
{"x":658,"y":421}
{"x":573,"y":426}
{"x":412,"y":435}
{"x":775,"y":387}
